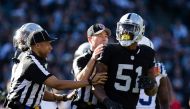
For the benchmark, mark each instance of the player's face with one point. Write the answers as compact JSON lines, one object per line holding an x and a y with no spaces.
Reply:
{"x":44,"y":48}
{"x":101,"y":38}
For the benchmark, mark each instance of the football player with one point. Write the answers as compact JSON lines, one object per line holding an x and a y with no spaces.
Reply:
{"x":129,"y":66}
{"x":161,"y":99}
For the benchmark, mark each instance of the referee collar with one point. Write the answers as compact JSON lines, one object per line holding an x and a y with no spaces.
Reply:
{"x":37,"y":57}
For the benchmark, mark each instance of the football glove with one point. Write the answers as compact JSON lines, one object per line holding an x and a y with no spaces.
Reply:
{"x":111,"y":104}
{"x":146,"y":82}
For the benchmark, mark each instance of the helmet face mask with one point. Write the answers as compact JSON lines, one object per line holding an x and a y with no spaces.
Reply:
{"x":130,"y":29}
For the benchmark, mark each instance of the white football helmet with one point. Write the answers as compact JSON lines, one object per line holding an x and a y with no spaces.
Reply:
{"x":83,"y":48}
{"x":130,"y":29}
{"x":21,"y":35}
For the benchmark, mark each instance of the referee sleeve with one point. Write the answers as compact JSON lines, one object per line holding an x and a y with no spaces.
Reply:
{"x":37,"y":74}
{"x":78,"y":65}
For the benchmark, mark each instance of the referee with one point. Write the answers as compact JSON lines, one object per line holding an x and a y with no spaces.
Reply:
{"x":30,"y":76}
{"x":83,"y":65}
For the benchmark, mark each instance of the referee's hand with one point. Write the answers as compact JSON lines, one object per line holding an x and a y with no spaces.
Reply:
{"x":98,"y":50}
{"x":99,"y":78}
{"x":70,"y":96}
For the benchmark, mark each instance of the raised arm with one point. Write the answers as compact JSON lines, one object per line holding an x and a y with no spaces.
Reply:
{"x":87,"y":70}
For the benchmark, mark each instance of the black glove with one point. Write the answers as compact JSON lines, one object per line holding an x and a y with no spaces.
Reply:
{"x":111,"y":104}
{"x":146,"y":82}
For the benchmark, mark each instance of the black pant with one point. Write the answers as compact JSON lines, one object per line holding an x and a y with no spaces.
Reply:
{"x":13,"y":104}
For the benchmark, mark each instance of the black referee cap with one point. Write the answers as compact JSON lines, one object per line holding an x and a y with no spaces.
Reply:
{"x":97,"y":29}
{"x":39,"y":36}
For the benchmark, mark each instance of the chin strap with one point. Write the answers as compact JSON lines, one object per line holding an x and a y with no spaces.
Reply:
{"x":15,"y":58}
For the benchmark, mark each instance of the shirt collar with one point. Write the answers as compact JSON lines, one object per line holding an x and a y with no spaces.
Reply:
{"x":36,"y":56}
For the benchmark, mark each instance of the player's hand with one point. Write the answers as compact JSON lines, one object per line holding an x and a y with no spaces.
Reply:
{"x":99,"y":78}
{"x":146,"y":82}
{"x":98,"y":50}
{"x":111,"y":104}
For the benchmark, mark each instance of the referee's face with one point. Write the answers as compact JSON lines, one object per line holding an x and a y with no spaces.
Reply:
{"x":101,"y":38}
{"x":44,"y":48}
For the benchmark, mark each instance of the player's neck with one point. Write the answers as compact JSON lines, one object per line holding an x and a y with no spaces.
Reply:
{"x":132,"y":46}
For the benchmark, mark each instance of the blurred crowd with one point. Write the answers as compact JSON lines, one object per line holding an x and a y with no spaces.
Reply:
{"x":167,"y":25}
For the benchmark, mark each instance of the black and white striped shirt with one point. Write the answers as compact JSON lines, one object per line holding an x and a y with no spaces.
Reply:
{"x":27,"y":80}
{"x":85,"y":94}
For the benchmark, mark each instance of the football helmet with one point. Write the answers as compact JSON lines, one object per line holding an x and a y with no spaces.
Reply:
{"x":130,"y":29}
{"x":83,"y":48}
{"x":21,"y":35}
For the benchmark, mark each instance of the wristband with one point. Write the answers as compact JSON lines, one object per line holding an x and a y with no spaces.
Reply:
{"x":64,"y":97}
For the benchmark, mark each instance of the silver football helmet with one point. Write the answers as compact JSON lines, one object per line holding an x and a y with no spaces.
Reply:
{"x":21,"y":35}
{"x":83,"y":48}
{"x":130,"y":29}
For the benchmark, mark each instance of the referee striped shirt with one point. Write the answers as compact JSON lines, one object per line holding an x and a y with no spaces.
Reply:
{"x":85,"y":94}
{"x":27,"y":80}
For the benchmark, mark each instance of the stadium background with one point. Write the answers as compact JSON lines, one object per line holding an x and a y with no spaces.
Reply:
{"x":167,"y":25}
